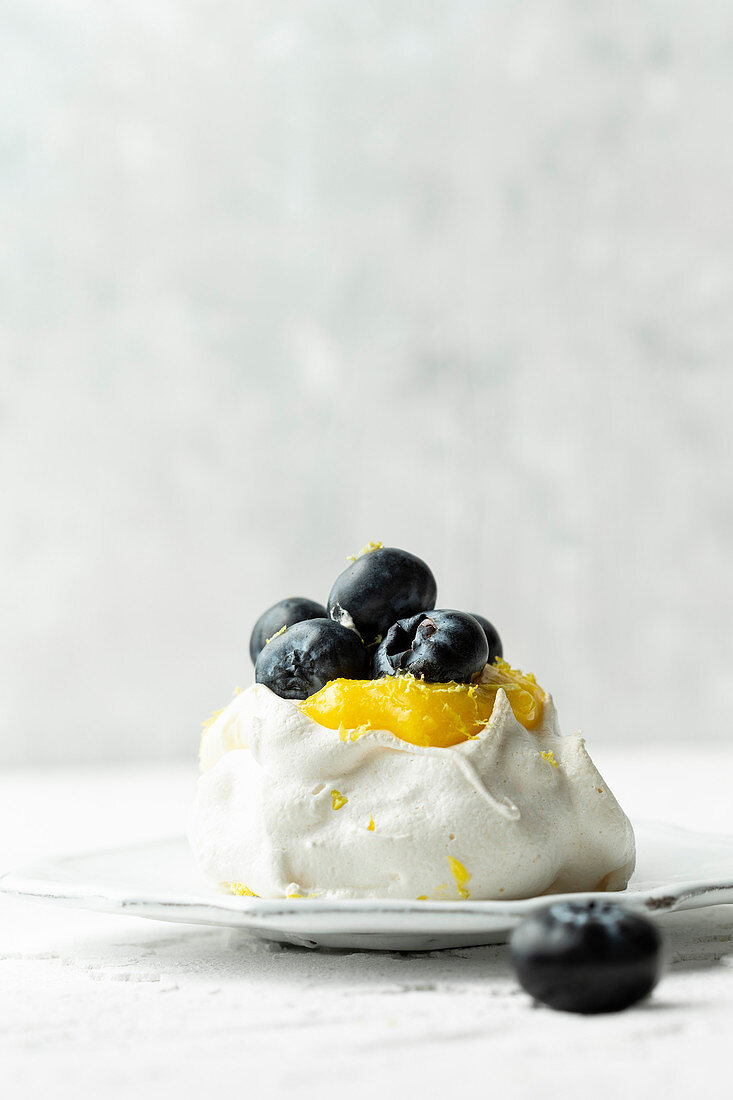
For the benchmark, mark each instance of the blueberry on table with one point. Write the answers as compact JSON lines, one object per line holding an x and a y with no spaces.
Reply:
{"x":587,"y":956}
{"x":437,"y":646}
{"x":492,"y":637}
{"x":295,"y":609}
{"x":303,"y":659}
{"x":379,"y":588}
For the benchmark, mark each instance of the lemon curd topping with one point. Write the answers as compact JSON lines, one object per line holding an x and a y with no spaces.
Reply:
{"x":435,"y":715}
{"x":525,"y":695}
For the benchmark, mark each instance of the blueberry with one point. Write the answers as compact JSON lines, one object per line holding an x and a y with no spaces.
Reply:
{"x":379,"y":588}
{"x":437,"y":646}
{"x":587,"y":956}
{"x":301,"y":661}
{"x":285,"y":613}
{"x":492,"y":637}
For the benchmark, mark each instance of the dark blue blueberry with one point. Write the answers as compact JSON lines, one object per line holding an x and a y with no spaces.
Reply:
{"x":379,"y":588}
{"x":587,"y":957}
{"x":437,"y":646}
{"x":492,"y":637}
{"x":295,"y":609}
{"x":301,"y":661}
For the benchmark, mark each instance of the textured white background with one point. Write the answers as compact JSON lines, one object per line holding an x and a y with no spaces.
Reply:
{"x":279,"y":278}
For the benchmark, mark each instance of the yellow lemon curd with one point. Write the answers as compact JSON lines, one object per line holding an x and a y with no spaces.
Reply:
{"x":437,"y":715}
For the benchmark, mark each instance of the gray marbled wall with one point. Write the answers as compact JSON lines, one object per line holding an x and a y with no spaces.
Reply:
{"x":278,"y":278}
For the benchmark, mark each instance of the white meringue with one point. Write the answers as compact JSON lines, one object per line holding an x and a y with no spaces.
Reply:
{"x":286,"y":807}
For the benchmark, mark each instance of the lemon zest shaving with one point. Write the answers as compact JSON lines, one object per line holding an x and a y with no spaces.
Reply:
{"x":461,"y":875}
{"x":241,"y":889}
{"x":213,"y":717}
{"x":337,"y":800}
{"x":207,"y":724}
{"x":371,"y":545}
{"x":276,"y":634}
{"x":346,"y":734}
{"x":549,"y":756}
{"x":371,"y":826}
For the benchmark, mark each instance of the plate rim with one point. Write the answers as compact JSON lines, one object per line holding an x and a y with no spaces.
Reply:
{"x":27,"y":882}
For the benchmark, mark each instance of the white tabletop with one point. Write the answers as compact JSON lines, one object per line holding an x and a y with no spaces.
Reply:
{"x":111,"y":1007}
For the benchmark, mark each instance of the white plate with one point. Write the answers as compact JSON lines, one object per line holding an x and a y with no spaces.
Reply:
{"x":676,"y":869}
